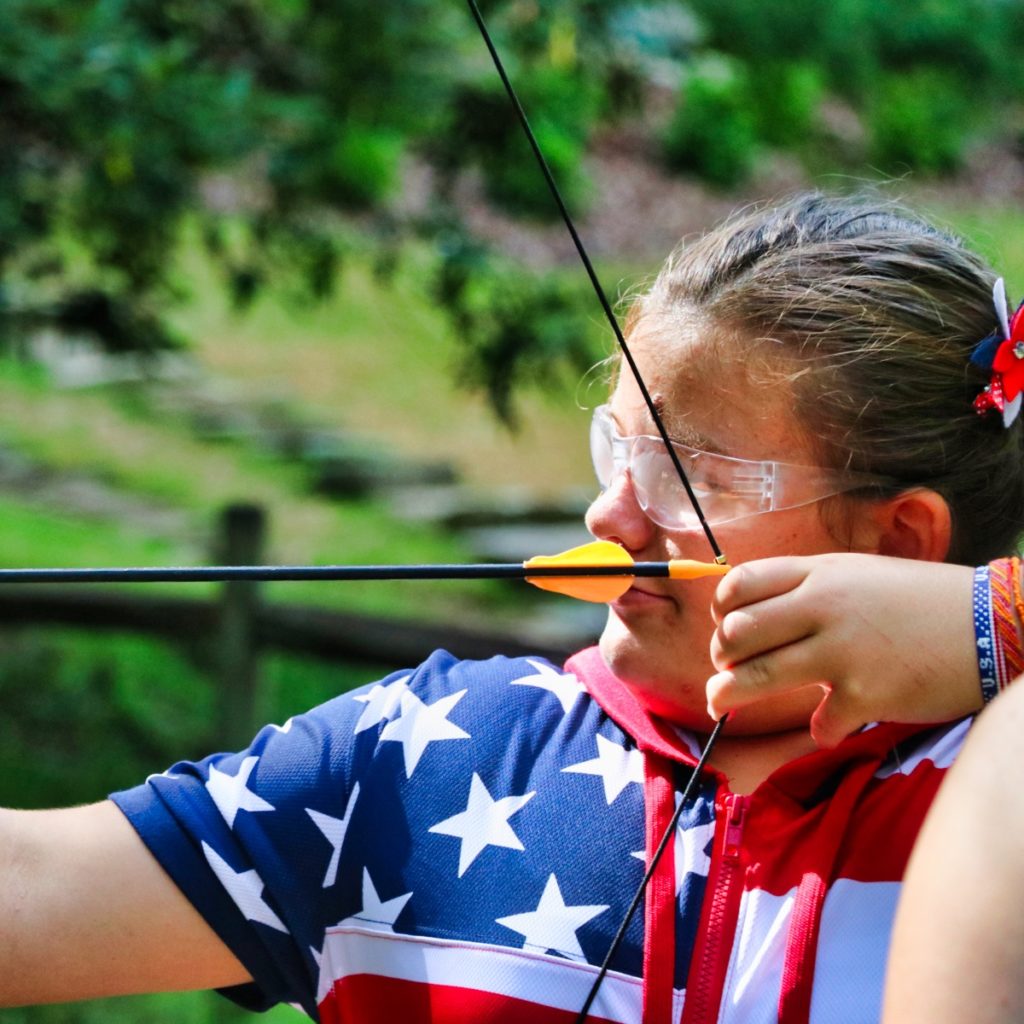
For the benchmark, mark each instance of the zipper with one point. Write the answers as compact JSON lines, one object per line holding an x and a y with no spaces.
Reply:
{"x":706,"y":978}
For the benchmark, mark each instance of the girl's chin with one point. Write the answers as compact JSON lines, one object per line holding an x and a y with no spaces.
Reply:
{"x":658,"y":687}
{"x":655,"y":675}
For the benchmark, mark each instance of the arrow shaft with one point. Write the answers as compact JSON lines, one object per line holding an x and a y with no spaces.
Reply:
{"x":271,"y":573}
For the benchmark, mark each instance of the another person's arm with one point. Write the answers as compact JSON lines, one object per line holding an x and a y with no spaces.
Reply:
{"x":85,"y":911}
{"x":958,"y":944}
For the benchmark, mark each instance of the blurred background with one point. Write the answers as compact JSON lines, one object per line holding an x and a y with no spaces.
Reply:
{"x":279,"y":281}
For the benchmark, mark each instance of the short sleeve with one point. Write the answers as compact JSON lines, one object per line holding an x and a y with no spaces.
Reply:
{"x":254,"y":839}
{"x":356,"y":827}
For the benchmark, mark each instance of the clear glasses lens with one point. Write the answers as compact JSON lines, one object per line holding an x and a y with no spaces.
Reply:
{"x":726,"y":488}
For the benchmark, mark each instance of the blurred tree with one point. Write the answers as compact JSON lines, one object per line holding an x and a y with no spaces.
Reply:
{"x":115,"y":113}
{"x":713,"y":132}
{"x":120,"y":116}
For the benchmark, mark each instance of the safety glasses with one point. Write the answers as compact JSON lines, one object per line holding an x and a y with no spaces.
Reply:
{"x":726,"y":488}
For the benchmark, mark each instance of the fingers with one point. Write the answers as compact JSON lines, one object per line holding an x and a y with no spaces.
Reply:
{"x":833,"y":720}
{"x":756,"y":581}
{"x":757,"y":629}
{"x":775,"y":672}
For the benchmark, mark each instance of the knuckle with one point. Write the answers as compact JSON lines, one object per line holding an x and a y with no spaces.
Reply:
{"x":758,"y":672}
{"x":734,"y":635}
{"x":727,"y":593}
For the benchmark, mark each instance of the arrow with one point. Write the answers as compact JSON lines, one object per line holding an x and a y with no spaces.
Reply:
{"x":599,"y":571}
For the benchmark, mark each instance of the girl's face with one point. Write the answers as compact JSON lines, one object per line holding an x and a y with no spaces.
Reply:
{"x":658,"y":633}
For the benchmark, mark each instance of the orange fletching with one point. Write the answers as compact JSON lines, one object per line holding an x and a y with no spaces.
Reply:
{"x":598,"y":589}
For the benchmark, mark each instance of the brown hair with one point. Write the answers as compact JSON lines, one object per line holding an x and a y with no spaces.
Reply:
{"x":877,"y":314}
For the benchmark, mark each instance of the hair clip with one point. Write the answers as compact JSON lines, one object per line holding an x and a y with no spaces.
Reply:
{"x":1002,"y":353}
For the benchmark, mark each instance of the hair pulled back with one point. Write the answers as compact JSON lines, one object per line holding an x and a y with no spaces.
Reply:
{"x":875,"y":315}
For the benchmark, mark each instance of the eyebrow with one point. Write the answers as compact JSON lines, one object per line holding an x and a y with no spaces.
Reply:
{"x":682,"y":432}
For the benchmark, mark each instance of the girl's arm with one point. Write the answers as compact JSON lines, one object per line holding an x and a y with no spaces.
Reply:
{"x":85,"y":911}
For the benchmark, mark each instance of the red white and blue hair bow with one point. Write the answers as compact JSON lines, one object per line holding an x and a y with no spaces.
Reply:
{"x":1002,"y":354}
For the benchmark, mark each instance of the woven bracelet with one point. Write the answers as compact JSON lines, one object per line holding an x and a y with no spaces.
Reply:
{"x":984,"y":634}
{"x":1004,"y":585}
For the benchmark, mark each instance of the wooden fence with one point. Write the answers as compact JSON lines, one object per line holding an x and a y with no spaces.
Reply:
{"x":238,"y":625}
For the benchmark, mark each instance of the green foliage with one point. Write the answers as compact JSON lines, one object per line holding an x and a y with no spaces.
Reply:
{"x":516,"y":328}
{"x":905,"y":68}
{"x":919,"y":121}
{"x":124,"y":707}
{"x":852,"y":41}
{"x":562,"y":104}
{"x":971,"y":40}
{"x":565,"y":105}
{"x":785,"y":100}
{"x":90,"y":713}
{"x":713,"y":132}
{"x":116,"y":112}
{"x":363,"y":167}
{"x":836,"y":37}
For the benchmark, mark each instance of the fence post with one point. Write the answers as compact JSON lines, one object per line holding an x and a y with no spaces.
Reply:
{"x":240,"y":541}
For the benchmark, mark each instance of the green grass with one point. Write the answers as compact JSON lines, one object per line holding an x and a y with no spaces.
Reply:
{"x":38,"y":537}
{"x":177,"y":1007}
{"x":996,"y":232}
{"x":127,"y":706}
{"x":381,"y":360}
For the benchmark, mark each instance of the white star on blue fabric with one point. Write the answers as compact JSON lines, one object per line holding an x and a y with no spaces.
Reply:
{"x":553,"y":925}
{"x":382,"y":702}
{"x":422,"y":724}
{"x":378,"y":912}
{"x":334,"y":830}
{"x":483,"y":823}
{"x":690,"y":844}
{"x":246,"y":890}
{"x":231,"y":794}
{"x":564,"y":685}
{"x":616,"y":766}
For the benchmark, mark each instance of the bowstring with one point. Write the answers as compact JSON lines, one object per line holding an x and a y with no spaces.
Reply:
{"x":669,"y":447}
{"x":592,"y":274}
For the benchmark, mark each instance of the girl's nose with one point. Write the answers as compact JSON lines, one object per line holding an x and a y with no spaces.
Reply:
{"x":616,"y":515}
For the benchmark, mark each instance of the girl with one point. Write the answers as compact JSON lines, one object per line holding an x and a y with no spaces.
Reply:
{"x":460,"y":841}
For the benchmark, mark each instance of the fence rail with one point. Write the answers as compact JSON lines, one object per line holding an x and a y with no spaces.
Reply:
{"x":236,"y":626}
{"x":298,"y":629}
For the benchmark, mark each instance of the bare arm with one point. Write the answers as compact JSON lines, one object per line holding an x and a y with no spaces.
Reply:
{"x":958,"y":943}
{"x":86,"y":911}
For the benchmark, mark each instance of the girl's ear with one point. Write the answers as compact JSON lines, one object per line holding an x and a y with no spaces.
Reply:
{"x":915,"y":524}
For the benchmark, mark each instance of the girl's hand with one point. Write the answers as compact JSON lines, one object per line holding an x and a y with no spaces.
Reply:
{"x":888,"y":639}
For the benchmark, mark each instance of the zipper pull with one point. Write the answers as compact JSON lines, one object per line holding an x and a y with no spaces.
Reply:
{"x":736,"y":810}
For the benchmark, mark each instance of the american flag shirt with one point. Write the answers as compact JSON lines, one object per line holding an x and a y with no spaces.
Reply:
{"x":461,"y":841}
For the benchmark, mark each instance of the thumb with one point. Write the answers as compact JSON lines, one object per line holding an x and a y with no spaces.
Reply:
{"x":832,"y":721}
